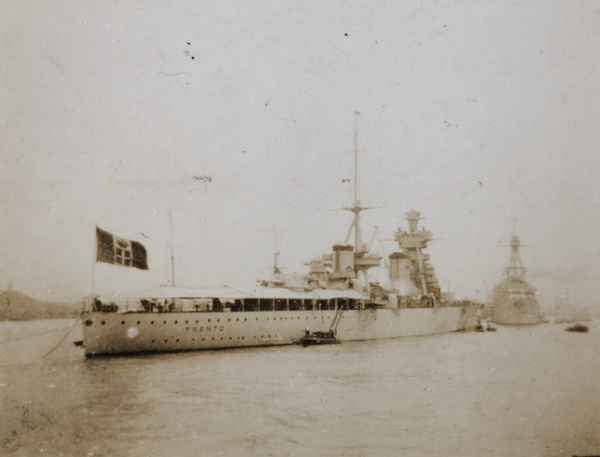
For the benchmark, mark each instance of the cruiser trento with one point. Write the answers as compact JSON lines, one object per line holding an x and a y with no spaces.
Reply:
{"x":335,"y":299}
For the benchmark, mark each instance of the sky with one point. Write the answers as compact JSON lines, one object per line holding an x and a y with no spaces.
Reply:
{"x":481,"y":115}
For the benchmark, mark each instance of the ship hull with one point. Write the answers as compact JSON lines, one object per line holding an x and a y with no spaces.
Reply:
{"x":130,"y":333}
{"x":515,"y":305}
{"x":516,"y":313}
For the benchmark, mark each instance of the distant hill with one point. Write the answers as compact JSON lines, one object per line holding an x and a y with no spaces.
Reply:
{"x":15,"y":306}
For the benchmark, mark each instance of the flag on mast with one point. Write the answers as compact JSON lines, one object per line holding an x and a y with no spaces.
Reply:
{"x":119,"y":251}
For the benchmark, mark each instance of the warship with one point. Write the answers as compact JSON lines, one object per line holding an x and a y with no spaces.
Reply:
{"x":514,"y":301}
{"x":334,"y":302}
{"x":334,"y":298}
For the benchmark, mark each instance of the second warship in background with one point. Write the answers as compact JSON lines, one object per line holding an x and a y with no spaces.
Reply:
{"x":514,"y":300}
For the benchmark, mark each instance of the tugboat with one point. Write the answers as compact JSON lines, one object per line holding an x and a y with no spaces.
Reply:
{"x":513,"y":300}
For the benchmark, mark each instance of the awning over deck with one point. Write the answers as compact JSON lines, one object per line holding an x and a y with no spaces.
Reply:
{"x":226,"y":292}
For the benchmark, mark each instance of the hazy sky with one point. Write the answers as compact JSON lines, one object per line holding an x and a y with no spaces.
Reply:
{"x":471,"y":112}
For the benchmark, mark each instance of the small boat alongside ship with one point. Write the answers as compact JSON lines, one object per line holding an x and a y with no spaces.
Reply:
{"x":514,"y":300}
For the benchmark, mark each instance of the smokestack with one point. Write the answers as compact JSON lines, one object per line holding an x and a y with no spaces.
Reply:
{"x":343,"y":262}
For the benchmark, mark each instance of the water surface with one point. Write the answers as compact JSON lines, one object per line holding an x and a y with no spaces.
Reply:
{"x":516,"y":392}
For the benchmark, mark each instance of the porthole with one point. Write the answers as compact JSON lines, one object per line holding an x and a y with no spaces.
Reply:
{"x":122,"y":322}
{"x":151,"y":322}
{"x":175,"y":321}
{"x":105,"y":322}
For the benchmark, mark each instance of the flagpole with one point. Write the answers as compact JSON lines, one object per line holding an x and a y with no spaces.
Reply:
{"x":94,"y":276}
{"x":172,"y":256}
{"x":94,"y":262}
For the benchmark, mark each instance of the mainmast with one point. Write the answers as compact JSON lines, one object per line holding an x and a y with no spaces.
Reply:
{"x":348,"y":262}
{"x":359,"y":246}
{"x":363,"y":260}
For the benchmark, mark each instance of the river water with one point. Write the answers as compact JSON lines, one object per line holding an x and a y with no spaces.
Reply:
{"x":516,"y":392}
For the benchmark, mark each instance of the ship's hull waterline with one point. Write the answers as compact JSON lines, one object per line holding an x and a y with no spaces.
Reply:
{"x":129,"y":333}
{"x":520,"y":313}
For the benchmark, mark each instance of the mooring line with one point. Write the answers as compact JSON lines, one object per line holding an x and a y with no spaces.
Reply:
{"x":32,"y":335}
{"x":62,"y":339}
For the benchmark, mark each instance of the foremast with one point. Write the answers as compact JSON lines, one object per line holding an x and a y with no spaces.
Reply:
{"x":515,"y":270}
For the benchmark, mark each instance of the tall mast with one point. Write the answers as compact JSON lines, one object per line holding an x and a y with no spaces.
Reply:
{"x":356,"y":113}
{"x":172,"y":255}
{"x":356,"y":209}
{"x":363,"y":260}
